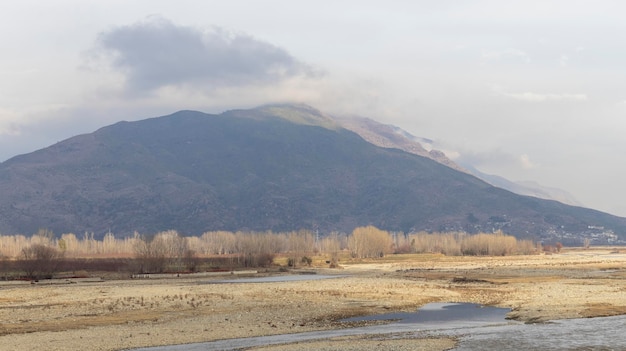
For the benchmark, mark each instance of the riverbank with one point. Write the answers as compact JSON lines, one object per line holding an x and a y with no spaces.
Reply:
{"x":123,"y":314}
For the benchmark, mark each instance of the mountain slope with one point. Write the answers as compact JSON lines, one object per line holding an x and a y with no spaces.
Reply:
{"x":266,"y":168}
{"x":390,"y":136}
{"x":526,"y":188}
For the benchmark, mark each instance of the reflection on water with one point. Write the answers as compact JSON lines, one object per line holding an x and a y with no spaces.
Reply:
{"x":444,"y":315}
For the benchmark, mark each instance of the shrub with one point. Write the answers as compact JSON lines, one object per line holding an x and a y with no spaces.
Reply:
{"x":39,"y":261}
{"x":306,"y":260}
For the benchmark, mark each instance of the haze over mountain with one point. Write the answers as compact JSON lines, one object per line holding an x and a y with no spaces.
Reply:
{"x":277,"y":167}
{"x":390,"y":136}
{"x":528,"y":188}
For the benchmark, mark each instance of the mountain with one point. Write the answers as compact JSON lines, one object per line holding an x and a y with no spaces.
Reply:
{"x":389,"y":136}
{"x":279,"y":167}
{"x":526,"y":188}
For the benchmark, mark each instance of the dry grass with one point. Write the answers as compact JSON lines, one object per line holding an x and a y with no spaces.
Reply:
{"x":136,"y":313}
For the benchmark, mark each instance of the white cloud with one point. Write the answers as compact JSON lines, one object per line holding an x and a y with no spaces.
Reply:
{"x":13,"y":121}
{"x":493,"y":160}
{"x":526,"y":163}
{"x":7,"y":122}
{"x":529,"y":96}
{"x":9,"y":129}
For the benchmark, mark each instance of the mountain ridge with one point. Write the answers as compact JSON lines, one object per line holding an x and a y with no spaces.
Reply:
{"x":256,"y":170}
{"x":390,"y":136}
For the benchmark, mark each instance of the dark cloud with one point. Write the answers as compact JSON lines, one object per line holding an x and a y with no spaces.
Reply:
{"x":155,"y":53}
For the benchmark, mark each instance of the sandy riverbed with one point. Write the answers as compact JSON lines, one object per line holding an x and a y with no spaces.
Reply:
{"x":122,"y":314}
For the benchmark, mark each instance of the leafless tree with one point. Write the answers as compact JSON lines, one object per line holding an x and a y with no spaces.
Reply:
{"x":160,"y":252}
{"x":39,"y":261}
{"x":368,"y":242}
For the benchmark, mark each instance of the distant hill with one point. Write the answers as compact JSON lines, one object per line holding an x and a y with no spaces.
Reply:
{"x":526,"y":188}
{"x":279,"y":167}
{"x":390,"y":136}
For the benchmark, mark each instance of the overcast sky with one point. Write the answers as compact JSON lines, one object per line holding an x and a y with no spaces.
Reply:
{"x":529,"y":90}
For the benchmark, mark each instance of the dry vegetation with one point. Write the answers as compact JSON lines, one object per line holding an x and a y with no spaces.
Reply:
{"x":42,"y":255}
{"x":74,"y":314}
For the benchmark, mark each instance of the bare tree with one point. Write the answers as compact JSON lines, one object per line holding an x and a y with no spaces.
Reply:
{"x":331,"y":244}
{"x":40,"y":261}
{"x":161,"y":251}
{"x":300,"y":243}
{"x":368,"y":242}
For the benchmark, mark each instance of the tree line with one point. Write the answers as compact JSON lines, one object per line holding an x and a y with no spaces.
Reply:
{"x":170,"y":251}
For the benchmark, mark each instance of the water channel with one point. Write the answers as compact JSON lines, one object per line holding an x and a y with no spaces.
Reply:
{"x":476,"y":327}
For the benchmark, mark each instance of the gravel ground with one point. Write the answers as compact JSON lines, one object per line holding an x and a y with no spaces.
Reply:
{"x":123,"y":314}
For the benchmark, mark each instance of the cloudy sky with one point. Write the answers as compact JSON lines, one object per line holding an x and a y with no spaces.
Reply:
{"x":529,"y":90}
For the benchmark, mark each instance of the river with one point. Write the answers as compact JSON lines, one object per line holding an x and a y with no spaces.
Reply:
{"x":476,"y":327}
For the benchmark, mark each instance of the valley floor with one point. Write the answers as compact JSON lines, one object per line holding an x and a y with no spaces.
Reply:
{"x":121,"y":314}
